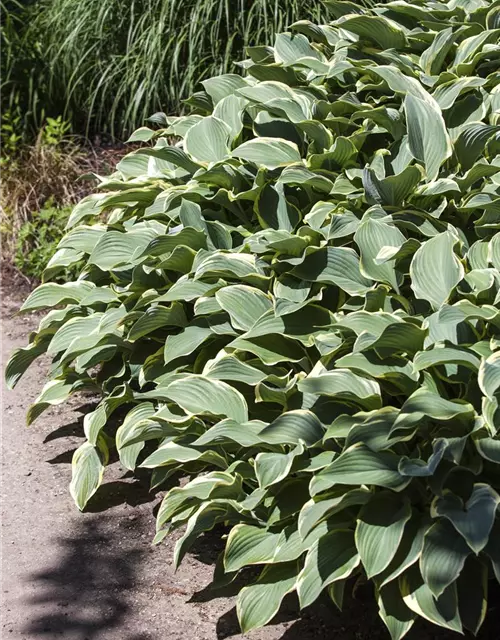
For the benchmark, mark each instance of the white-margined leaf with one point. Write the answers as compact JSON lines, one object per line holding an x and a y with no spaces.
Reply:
{"x":379,"y":530}
{"x":436,"y":256}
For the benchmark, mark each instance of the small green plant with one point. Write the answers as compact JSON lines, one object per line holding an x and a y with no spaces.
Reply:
{"x":299,"y":305}
{"x":55,"y":131}
{"x":10,"y":136}
{"x":37,"y":241}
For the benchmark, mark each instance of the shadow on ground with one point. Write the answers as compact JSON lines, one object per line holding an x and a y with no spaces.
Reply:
{"x":89,"y":590}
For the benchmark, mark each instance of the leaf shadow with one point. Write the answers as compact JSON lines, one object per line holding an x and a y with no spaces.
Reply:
{"x":63,"y":458}
{"x":87,"y":591}
{"x":118,"y":492}
{"x":67,"y":430}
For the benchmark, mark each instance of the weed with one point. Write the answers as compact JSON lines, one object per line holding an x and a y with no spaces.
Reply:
{"x":37,"y":239}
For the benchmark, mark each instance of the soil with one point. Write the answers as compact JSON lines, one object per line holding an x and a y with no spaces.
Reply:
{"x":95,"y":575}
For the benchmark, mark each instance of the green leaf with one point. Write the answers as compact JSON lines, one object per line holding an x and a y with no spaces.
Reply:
{"x":143,"y":134}
{"x":443,"y":556}
{"x":417,"y":596}
{"x":409,"y":550}
{"x":377,"y":29}
{"x":436,"y":256}
{"x":244,"y":304}
{"x":292,"y":324}
{"x":270,"y":349}
{"x":446,"y":94}
{"x":199,"y":394}
{"x":432,"y":59}
{"x":97,"y":419}
{"x":371,"y":428}
{"x":474,"y":519}
{"x":184,"y":343}
{"x":230,"y":111}
{"x":441,"y":355}
{"x":268,"y":152}
{"x":427,"y":403}
{"x":345,"y":384}
{"x":220,"y":87}
{"x":247,"y":545}
{"x":428,"y":137}
{"x":489,"y":449}
{"x":245,"y":434}
{"x":419,"y":468}
{"x":88,"y":468}
{"x":489,"y":375}
{"x":473,"y":603}
{"x":213,"y":485}
{"x":51,"y":294}
{"x":73,"y":330}
{"x":293,"y":426}
{"x":53,"y":393}
{"x":472,"y":141}
{"x":208,"y":140}
{"x":316,"y":511}
{"x":21,"y":359}
{"x":299,"y":175}
{"x":127,"y":432}
{"x":231,"y":369}
{"x":187,"y":289}
{"x":271,"y":468}
{"x":492,"y":549}
{"x":359,"y":465}
{"x":289,"y":48}
{"x":258,"y":603}
{"x":379,"y":530}
{"x":395,"y":614}
{"x":332,"y":557}
{"x":171,"y":452}
{"x":114,"y":248}
{"x":161,"y":245}
{"x":156,"y":318}
{"x":395,"y":370}
{"x":371,"y":237}
{"x":334,"y":265}
{"x":203,"y":519}
{"x":391,"y":190}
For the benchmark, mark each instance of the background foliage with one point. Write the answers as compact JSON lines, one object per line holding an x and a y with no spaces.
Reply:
{"x":297,"y":304}
{"x":108,"y":65}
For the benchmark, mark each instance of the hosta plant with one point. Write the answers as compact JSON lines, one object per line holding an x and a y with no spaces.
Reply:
{"x":298,"y":306}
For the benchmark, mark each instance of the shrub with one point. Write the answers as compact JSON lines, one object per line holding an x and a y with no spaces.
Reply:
{"x":299,"y":302}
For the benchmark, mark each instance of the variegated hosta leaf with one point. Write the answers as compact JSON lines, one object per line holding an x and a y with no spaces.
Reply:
{"x":296,"y":305}
{"x":380,"y":529}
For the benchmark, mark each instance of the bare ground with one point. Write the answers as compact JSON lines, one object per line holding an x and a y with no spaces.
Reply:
{"x":95,"y":576}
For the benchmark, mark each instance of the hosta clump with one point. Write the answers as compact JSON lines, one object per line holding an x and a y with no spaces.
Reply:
{"x":298,"y":304}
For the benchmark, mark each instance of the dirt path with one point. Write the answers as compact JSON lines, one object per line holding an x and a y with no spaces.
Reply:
{"x":95,"y":576}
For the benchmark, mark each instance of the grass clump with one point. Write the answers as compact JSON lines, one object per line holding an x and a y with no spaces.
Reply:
{"x":107,"y":65}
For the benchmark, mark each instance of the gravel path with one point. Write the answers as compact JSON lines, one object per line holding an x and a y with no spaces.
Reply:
{"x":95,"y":576}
